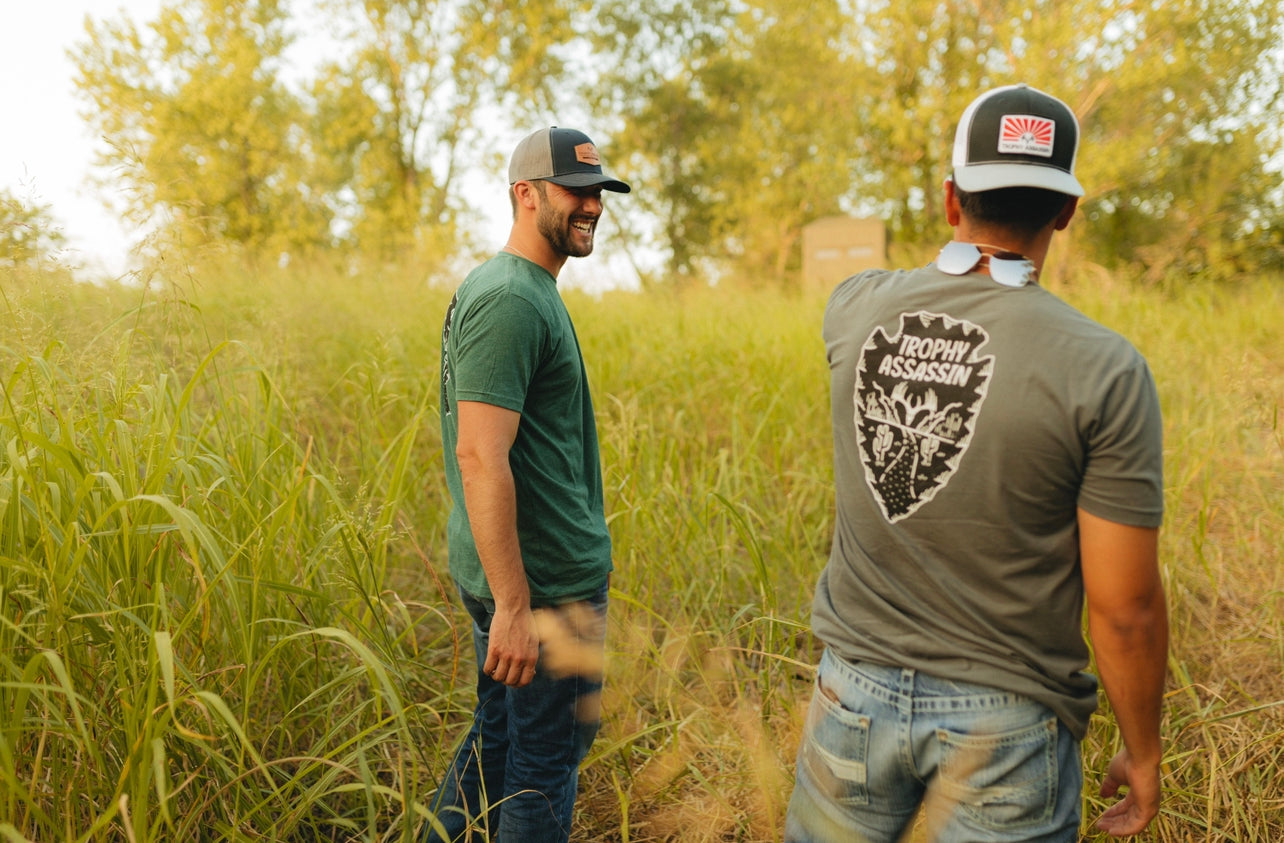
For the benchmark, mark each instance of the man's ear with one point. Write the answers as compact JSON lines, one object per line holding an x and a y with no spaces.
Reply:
{"x":1063,"y":218}
{"x":526,"y":194}
{"x":953,"y":213}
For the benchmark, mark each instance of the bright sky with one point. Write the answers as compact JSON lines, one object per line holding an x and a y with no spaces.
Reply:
{"x":45,"y":148}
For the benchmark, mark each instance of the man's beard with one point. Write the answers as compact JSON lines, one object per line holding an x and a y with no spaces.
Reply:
{"x":557,"y":231}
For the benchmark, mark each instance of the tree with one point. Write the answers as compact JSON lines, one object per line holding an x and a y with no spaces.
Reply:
{"x":199,"y":127}
{"x":737,"y":114}
{"x":765,"y":115}
{"x":1173,"y":98}
{"x":1182,"y":104}
{"x":368,"y":152}
{"x":758,"y":116}
{"x":787,"y":133}
{"x":740,"y":120}
{"x":28,"y":232}
{"x":406,"y":114}
{"x":651,"y":55}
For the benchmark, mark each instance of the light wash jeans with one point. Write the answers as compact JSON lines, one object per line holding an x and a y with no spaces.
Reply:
{"x":987,"y":765}
{"x":529,"y":741}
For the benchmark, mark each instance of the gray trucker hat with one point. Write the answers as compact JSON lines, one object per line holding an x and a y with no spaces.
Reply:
{"x":562,"y":156}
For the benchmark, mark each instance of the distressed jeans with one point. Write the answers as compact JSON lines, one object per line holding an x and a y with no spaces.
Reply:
{"x":986,"y":765}
{"x":514,"y":778}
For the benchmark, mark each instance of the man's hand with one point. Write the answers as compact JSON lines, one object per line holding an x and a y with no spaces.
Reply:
{"x":513,"y":648}
{"x":1140,"y":805}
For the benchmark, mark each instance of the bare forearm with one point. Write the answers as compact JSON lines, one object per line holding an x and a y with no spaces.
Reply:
{"x":491,"y":501}
{"x":1132,"y":659}
{"x":1132,"y":652}
{"x":486,"y":435}
{"x":1128,"y":622}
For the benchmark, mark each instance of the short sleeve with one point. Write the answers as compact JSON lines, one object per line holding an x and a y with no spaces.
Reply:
{"x":497,"y":345}
{"x":1123,"y":479}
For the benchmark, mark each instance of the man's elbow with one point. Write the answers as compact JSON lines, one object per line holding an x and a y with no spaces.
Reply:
{"x":478,"y":462}
{"x":1143,"y":617}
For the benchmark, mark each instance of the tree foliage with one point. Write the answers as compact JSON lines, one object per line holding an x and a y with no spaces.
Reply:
{"x":1181,"y":103}
{"x":758,"y":116}
{"x":367,"y":150}
{"x":742,"y":151}
{"x":200,"y":127}
{"x":403,"y":114}
{"x":739,"y":121}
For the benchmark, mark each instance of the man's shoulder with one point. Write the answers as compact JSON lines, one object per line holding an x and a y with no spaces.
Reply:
{"x":500,"y":272}
{"x":1087,"y":331}
{"x":506,"y":277}
{"x":874,"y":295}
{"x":866,"y":282}
{"x":869,"y":277}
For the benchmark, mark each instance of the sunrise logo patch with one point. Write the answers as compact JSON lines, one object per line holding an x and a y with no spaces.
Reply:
{"x":1024,"y":134}
{"x":918,"y":394}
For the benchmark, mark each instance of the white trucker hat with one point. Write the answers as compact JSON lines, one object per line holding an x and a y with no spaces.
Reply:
{"x":1016,"y":136}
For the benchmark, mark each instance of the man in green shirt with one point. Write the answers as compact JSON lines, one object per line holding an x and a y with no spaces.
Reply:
{"x":529,"y":547}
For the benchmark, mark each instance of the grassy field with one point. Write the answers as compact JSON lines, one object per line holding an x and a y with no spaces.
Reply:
{"x":224,"y":612}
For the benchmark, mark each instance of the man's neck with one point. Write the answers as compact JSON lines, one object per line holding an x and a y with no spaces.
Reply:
{"x":1035,"y":248}
{"x":536,"y":250}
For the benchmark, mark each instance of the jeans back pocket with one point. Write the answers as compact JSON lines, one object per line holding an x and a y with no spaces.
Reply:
{"x":1001,"y":781}
{"x":835,"y":750}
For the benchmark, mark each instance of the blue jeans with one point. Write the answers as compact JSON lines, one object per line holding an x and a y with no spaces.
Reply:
{"x":514,"y":777}
{"x":985,"y":764}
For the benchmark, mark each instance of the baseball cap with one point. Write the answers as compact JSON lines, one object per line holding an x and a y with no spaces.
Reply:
{"x":562,"y":156}
{"x":1016,"y":136}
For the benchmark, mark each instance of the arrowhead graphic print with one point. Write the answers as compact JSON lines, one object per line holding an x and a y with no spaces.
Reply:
{"x":918,"y":394}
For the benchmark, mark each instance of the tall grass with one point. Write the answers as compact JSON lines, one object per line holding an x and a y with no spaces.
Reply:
{"x":1220,"y":370}
{"x":198,"y":639}
{"x":223,"y":600}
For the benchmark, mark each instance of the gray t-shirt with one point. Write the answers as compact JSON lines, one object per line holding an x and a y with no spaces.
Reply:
{"x":508,"y":341}
{"x":970,"y":420}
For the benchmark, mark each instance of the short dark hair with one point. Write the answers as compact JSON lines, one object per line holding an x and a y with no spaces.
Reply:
{"x":1027,"y":210}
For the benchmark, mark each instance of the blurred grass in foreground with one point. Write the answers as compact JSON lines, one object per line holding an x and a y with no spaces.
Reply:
{"x":224,"y":612}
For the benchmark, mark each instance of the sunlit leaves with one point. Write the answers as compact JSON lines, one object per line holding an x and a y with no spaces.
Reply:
{"x":199,"y":127}
{"x":755,"y":117}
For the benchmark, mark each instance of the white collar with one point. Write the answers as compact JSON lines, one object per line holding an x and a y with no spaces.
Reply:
{"x":1006,"y":268}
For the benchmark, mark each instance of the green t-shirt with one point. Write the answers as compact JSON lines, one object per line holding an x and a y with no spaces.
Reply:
{"x":508,"y":341}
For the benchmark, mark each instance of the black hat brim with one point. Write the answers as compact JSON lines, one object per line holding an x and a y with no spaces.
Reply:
{"x":590,"y":180}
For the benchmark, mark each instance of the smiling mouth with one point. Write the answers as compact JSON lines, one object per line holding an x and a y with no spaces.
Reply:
{"x":583,"y":226}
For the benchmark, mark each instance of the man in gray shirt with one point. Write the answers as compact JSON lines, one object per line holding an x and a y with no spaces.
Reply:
{"x":997,"y":460}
